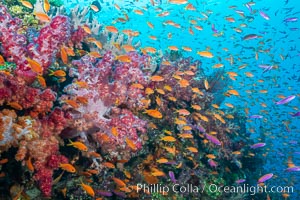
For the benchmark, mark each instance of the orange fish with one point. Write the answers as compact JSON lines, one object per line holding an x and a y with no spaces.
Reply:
{"x":46,"y":6}
{"x":137,"y":85}
{"x":3,"y":161}
{"x":29,"y":164}
{"x":81,"y":84}
{"x":35,"y":66}
{"x":95,"y":8}
{"x":183,"y":83}
{"x":179,"y":122}
{"x":117,"y":6}
{"x":149,"y":91}
{"x":157,"y":78}
{"x":196,"y":107}
{"x":206,"y":84}
{"x":178,"y":2}
{"x":249,"y":74}
{"x":128,"y":48}
{"x":114,"y":131}
{"x":190,"y":7}
{"x":192,"y":149}
{"x":95,"y":54}
{"x":109,"y":165}
{"x":152,"y":37}
{"x":127,"y":174}
{"x":119,"y":182}
{"x":211,"y":156}
{"x":130,"y":143}
{"x":229,"y":116}
{"x":158,"y":173}
{"x":154,"y":113}
{"x":138,"y":12}
{"x":58,"y":73}
{"x":168,"y":88}
{"x":150,"y":49}
{"x":64,"y":55}
{"x":185,"y":48}
{"x":205,"y":54}
{"x":2,"y":61}
{"x":15,"y":105}
{"x":78,"y":145}
{"x":67,"y":167}
{"x":42,"y":16}
{"x":196,"y":90}
{"x":168,"y":139}
{"x":94,"y":154}
{"x":171,"y":150}
{"x":233,"y":92}
{"x":71,"y":103}
{"x":88,"y":189}
{"x":163,"y":14}
{"x":123,"y":58}
{"x":172,"y":98}
{"x":199,"y":28}
{"x":230,"y":19}
{"x":183,"y":112}
{"x":87,"y":29}
{"x":150,"y":25}
{"x":236,"y":152}
{"x":158,"y":101}
{"x":42,"y":81}
{"x":111,"y":29}
{"x":229,"y":105}
{"x":173,"y":48}
{"x":186,"y":135}
{"x":219,"y":65}
{"x":160,"y":91}
{"x":27,"y":4}
{"x":232,"y":73}
{"x":162,"y":160}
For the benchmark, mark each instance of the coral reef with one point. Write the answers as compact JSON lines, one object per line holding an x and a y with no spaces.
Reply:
{"x":92,"y":110}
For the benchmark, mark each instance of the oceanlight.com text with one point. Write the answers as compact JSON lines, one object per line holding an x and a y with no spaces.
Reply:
{"x":252,"y":190}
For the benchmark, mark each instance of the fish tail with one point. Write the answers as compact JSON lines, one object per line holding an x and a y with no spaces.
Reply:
{"x":51,"y":72}
{"x":71,"y":143}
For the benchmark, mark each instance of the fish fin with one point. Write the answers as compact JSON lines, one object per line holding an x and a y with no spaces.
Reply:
{"x":71,"y":143}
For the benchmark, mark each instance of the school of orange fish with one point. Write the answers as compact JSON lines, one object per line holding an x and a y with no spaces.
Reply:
{"x":209,"y":117}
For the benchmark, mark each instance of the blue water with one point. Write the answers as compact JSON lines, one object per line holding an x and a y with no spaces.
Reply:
{"x":280,"y":39}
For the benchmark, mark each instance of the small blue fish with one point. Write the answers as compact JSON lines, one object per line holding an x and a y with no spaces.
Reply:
{"x":291,"y":19}
{"x":172,"y":176}
{"x":265,"y":178}
{"x":249,"y":7}
{"x":240,"y":181}
{"x":257,"y":145}
{"x":238,"y":163}
{"x":266,"y":68}
{"x":256,"y":117}
{"x":264,"y":15}
{"x":286,"y":100}
{"x":293,"y":169}
{"x":104,"y":193}
{"x":212,"y":163}
{"x":250,"y":37}
{"x":213,"y":139}
{"x":214,"y":29}
{"x":297,"y":114}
